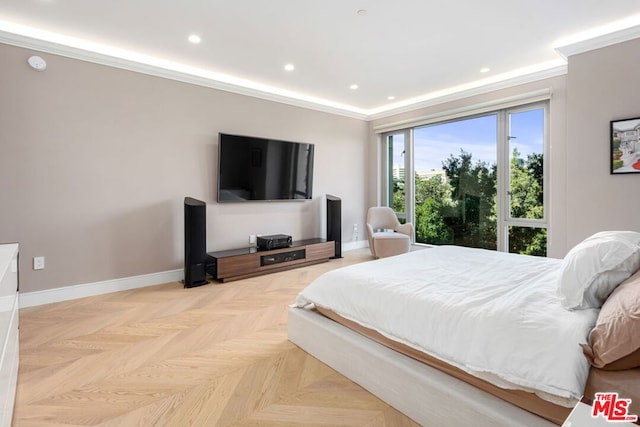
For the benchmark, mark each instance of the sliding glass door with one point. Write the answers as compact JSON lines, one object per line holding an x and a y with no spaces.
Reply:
{"x":476,"y":181}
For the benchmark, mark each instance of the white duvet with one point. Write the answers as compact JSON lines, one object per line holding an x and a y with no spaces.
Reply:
{"x":492,"y":314}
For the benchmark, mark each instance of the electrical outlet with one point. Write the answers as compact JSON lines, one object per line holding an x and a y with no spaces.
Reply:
{"x":252,"y":239}
{"x":38,"y":263}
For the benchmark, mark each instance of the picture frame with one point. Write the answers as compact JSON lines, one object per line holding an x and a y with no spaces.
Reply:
{"x":625,"y":146}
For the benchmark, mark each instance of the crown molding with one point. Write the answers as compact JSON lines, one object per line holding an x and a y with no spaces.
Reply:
{"x":196,"y":78}
{"x":598,"y":42}
{"x":490,"y":105}
{"x":480,"y":89}
{"x":201,"y":77}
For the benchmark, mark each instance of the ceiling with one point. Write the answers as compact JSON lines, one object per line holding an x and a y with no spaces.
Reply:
{"x":415,"y":51}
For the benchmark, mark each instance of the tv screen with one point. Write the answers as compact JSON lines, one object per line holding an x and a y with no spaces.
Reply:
{"x":252,"y":169}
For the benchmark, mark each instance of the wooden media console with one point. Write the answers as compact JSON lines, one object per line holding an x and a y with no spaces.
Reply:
{"x":249,"y":262}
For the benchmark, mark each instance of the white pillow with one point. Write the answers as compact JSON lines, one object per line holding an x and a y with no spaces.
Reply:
{"x":596,"y":266}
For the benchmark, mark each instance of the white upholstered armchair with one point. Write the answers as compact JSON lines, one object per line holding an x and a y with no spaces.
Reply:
{"x":387,"y":237}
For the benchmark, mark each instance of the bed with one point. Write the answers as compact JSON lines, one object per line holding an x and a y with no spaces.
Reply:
{"x":452,"y":333}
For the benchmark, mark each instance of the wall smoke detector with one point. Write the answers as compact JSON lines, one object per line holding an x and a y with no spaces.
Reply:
{"x":37,"y":63}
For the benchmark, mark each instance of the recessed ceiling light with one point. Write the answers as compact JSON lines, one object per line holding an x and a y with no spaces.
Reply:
{"x":391,"y":98}
{"x":195,"y":39}
{"x":353,"y":87}
{"x":289,"y":67}
{"x":485,"y":69}
{"x":362,"y":12}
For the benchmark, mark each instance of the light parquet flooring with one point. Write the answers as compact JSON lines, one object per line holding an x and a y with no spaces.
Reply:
{"x":215,"y":355}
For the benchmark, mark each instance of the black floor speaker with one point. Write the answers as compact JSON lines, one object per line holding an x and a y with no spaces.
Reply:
{"x":195,"y":243}
{"x":334,"y":223}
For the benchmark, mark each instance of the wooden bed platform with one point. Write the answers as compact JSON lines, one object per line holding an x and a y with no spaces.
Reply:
{"x":423,"y":393}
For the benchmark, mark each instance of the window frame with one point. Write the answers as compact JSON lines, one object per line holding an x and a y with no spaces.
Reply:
{"x":503,"y":184}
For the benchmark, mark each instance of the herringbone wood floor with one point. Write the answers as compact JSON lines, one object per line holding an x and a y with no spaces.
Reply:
{"x":215,"y":355}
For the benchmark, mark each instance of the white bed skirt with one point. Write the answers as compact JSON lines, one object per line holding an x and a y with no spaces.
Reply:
{"x":426,"y":395}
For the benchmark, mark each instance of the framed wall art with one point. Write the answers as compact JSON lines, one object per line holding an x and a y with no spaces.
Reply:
{"x":625,"y":146}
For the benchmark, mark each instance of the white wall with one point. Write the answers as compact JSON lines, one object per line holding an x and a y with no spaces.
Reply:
{"x":96,"y":162}
{"x":603,"y":86}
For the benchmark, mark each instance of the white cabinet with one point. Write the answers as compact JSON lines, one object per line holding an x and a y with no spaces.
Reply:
{"x":8,"y":331}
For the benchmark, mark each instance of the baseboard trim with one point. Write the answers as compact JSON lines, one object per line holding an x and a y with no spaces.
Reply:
{"x":49,"y":296}
{"x":351,"y":246}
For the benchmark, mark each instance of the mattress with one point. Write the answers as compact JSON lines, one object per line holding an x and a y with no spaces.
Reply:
{"x":490,"y":314}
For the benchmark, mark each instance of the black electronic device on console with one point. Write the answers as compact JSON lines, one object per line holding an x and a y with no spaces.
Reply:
{"x":282,"y":257}
{"x":274,"y":241}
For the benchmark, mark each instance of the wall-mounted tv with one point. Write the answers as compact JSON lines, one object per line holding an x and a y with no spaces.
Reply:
{"x":261,"y":169}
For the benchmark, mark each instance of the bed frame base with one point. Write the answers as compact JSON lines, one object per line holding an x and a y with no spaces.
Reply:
{"x":423,"y":393}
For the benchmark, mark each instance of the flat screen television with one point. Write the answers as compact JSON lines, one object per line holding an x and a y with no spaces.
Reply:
{"x":261,"y":169}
